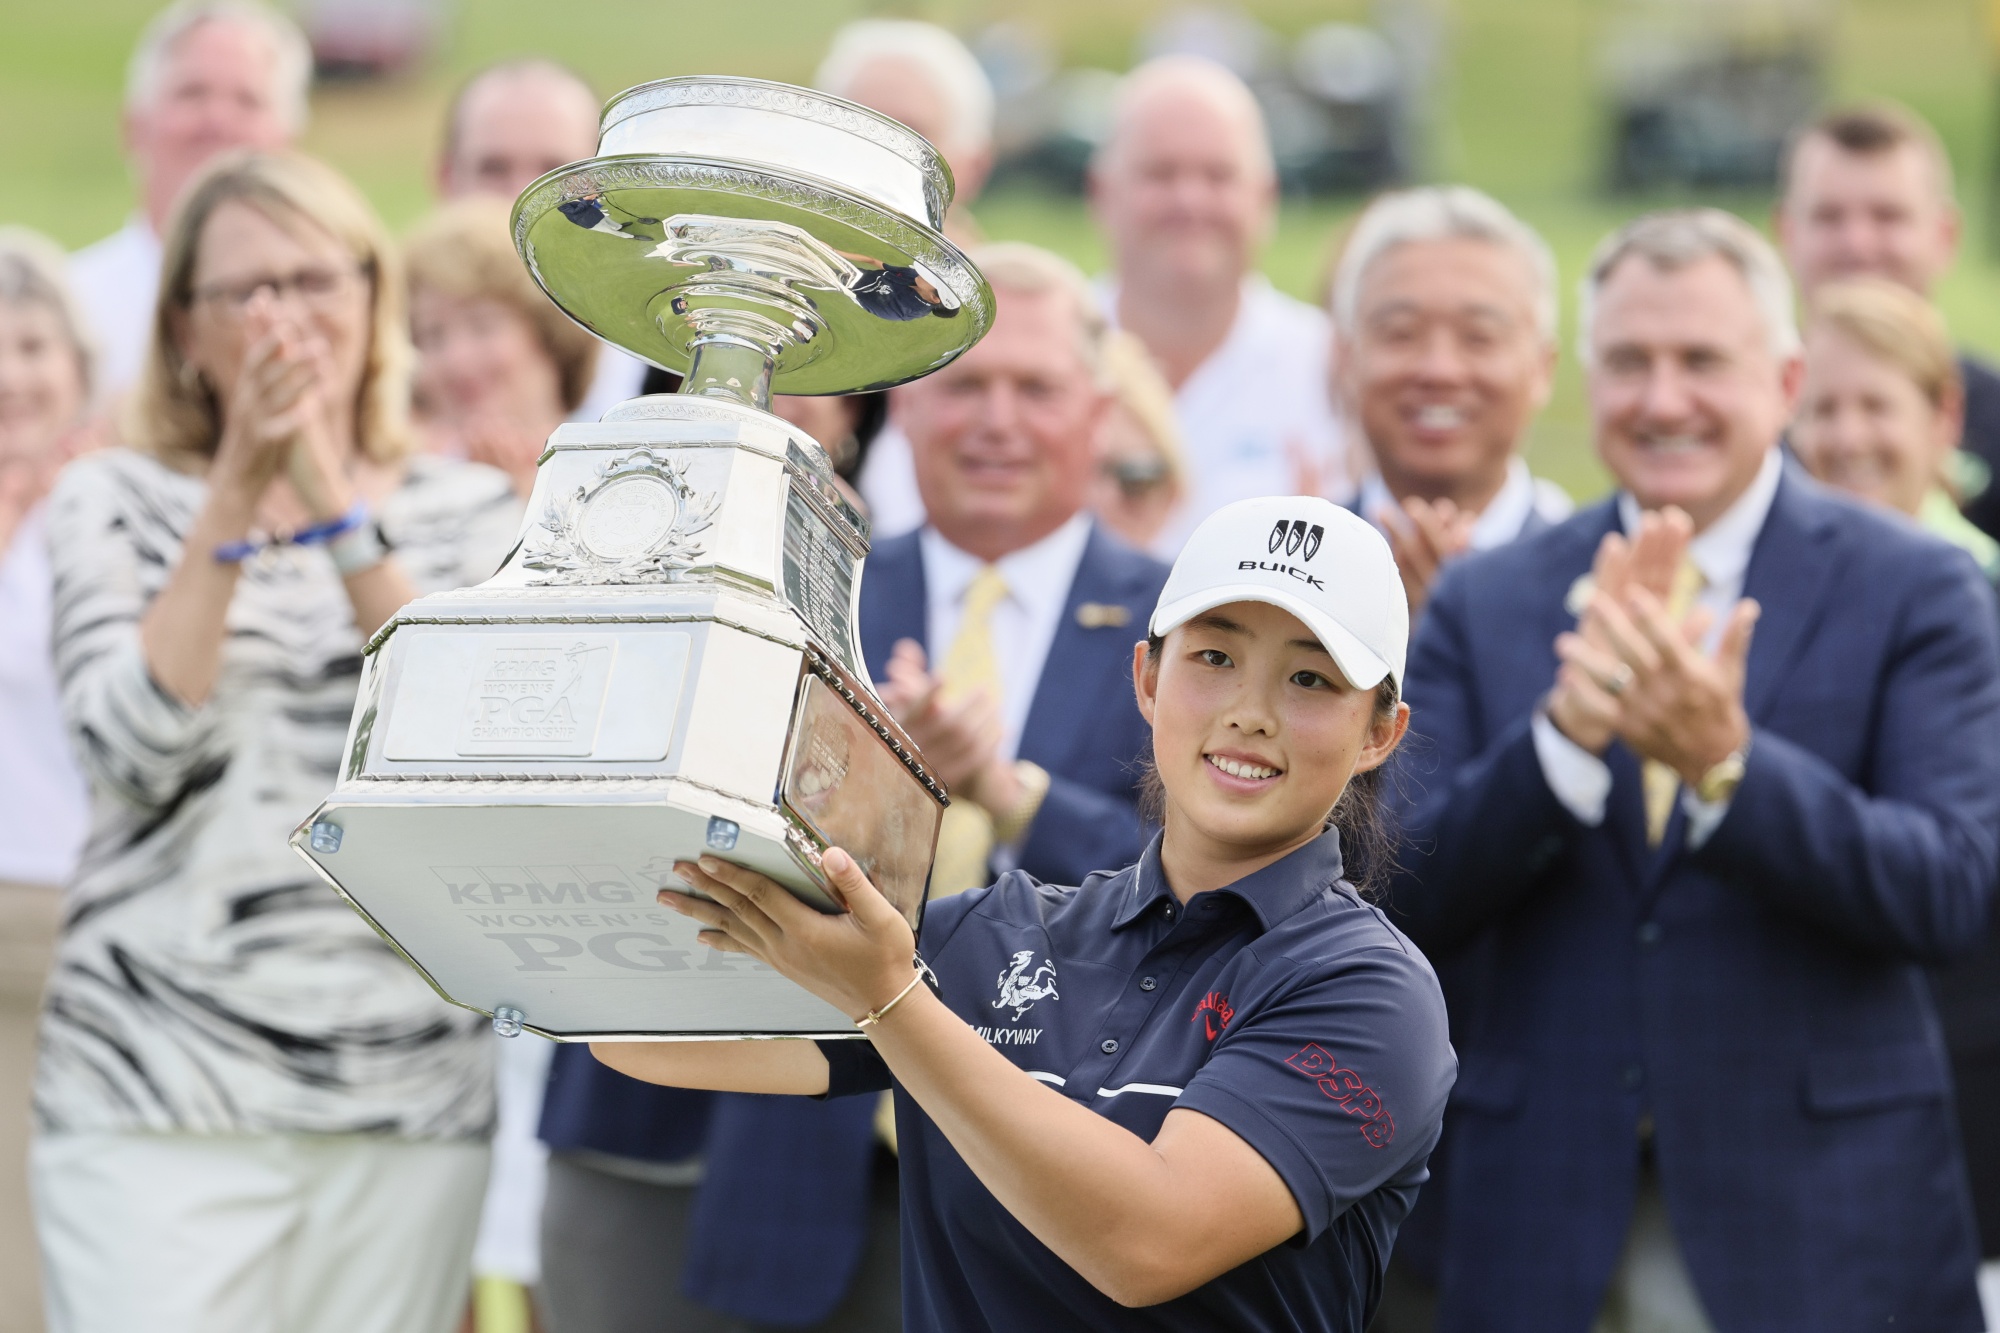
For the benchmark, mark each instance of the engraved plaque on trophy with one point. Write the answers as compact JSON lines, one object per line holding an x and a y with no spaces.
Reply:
{"x":667,"y":662}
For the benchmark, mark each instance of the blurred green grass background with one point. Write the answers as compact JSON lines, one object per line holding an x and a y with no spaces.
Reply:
{"x":1518,"y":114}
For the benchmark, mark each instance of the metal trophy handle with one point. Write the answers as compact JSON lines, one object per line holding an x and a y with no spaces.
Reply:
{"x":667,"y":662}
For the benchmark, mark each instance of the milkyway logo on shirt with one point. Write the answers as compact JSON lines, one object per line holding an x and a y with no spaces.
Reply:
{"x":1345,"y":1087}
{"x":1021,"y":984}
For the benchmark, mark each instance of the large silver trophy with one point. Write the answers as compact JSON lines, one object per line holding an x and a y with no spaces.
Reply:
{"x":666,"y":664}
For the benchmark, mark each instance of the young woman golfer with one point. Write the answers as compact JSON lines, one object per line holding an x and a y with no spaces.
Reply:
{"x":1195,"y":1094}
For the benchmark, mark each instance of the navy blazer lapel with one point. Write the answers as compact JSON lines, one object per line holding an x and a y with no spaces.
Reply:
{"x":1791,"y":575}
{"x":1066,"y":696}
{"x":895,"y":602}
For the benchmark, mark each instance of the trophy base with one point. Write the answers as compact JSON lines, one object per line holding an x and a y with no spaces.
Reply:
{"x":549,"y":911}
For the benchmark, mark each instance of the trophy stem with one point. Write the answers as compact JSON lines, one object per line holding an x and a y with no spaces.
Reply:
{"x":727,"y":368}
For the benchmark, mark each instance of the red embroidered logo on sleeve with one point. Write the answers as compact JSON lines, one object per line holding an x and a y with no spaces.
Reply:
{"x":1346,"y":1088}
{"x":1213,"y":1013}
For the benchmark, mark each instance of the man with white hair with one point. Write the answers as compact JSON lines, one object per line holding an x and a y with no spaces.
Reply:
{"x":1444,"y":311}
{"x":1186,"y":193}
{"x":1705,"y":1087}
{"x":923,"y":76}
{"x":206,"y":77}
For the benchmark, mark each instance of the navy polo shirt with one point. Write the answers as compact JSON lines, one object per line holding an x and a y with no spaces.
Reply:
{"x":1283,"y":1006}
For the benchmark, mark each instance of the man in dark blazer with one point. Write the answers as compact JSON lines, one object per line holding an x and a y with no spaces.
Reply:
{"x":793,"y":1221}
{"x":1708,"y":850}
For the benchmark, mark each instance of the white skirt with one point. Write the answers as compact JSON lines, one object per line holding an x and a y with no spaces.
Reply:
{"x":198,"y":1233}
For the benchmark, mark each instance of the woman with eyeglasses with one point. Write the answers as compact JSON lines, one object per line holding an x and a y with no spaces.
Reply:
{"x":250,"y":1113}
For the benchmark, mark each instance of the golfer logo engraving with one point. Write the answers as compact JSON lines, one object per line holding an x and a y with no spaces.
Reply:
{"x":531,"y":695}
{"x":1296,"y":537}
{"x":1020,"y":986}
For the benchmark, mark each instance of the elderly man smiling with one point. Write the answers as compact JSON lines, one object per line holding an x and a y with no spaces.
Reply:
{"x":1705,"y":1089}
{"x":207,"y":76}
{"x":1444,"y":312}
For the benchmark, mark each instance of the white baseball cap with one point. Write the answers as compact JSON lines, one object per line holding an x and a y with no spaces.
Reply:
{"x":1308,"y":556}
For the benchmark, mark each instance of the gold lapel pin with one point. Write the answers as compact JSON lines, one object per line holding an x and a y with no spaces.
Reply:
{"x":1103,"y":615}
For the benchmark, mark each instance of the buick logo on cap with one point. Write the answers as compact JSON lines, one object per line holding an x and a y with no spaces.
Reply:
{"x":1297,"y":537}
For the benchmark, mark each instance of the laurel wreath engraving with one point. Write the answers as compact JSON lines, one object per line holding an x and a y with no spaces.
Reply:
{"x":559,"y":553}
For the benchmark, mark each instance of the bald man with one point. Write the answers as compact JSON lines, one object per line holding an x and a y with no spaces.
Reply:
{"x":510,"y":124}
{"x":1186,"y":194}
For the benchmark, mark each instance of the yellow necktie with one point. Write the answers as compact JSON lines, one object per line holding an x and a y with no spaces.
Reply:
{"x":1660,"y":783}
{"x":965,"y":840}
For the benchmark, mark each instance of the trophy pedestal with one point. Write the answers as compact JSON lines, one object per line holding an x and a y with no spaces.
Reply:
{"x":530,"y":757}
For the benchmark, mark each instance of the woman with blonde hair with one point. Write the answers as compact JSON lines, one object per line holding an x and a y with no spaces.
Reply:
{"x":250,"y":1113}
{"x":1142,"y":476}
{"x":1884,"y":405}
{"x":498,"y":365}
{"x":45,"y":380}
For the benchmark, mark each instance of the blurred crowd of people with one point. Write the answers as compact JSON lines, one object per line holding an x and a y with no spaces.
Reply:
{"x":1702,"y":834}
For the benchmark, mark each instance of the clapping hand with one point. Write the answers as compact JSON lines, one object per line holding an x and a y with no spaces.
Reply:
{"x":279,"y":417}
{"x":493,"y":439}
{"x":960,"y":740}
{"x":1423,"y":536}
{"x":1630,"y":671}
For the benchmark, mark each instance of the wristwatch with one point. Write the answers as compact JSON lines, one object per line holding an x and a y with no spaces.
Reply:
{"x":1720,"y":782}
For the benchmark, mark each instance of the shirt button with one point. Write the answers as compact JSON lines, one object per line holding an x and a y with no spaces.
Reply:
{"x":1147,"y":983}
{"x":1169,"y":912}
{"x":1109,"y":1046}
{"x":1630,"y":1077}
{"x":1649,"y":934}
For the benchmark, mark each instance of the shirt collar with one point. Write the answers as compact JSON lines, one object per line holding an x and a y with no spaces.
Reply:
{"x":1721,"y":551}
{"x":1273,"y":893}
{"x":1036,"y":575}
{"x":1499,"y":523}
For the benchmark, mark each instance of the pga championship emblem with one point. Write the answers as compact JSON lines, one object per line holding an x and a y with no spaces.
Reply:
{"x":1020,"y":987}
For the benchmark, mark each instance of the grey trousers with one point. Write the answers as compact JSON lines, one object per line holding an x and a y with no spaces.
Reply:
{"x":612,"y":1251}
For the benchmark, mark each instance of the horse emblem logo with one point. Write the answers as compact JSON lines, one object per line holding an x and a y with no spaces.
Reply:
{"x":1020,"y":987}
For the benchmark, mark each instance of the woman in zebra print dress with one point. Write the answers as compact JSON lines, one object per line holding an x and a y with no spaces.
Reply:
{"x":251,"y":1115}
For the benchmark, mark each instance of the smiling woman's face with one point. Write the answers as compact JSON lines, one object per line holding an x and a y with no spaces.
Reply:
{"x":1255,"y":731}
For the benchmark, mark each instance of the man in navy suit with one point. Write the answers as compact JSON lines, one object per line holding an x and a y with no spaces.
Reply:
{"x":792,"y":1222}
{"x":1713,"y":768}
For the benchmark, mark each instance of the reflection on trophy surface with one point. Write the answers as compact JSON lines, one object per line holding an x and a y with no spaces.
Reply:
{"x":666,"y":664}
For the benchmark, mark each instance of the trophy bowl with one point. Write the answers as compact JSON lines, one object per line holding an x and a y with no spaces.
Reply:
{"x":666,"y":664}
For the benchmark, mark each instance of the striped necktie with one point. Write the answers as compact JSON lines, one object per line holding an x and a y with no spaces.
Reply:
{"x":965,"y":840}
{"x":1661,"y":783}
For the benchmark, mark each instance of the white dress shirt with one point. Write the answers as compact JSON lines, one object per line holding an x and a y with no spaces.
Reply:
{"x":44,"y":805}
{"x":1249,"y":415}
{"x":116,"y":282}
{"x":888,"y":484}
{"x":1024,"y":621}
{"x":1721,"y":551}
{"x":1254,"y":410}
{"x":1521,"y":495}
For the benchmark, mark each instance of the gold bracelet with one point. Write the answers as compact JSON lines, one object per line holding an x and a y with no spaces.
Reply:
{"x":874,"y":1016}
